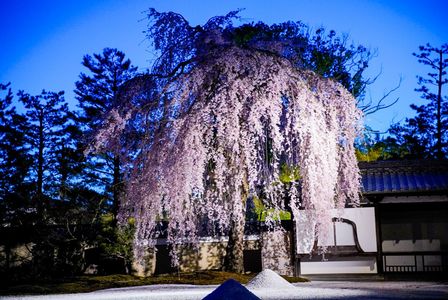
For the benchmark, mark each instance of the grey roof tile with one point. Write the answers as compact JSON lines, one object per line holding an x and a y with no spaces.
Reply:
{"x":404,"y":176}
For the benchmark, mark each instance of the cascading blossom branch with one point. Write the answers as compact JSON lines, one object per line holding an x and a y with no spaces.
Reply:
{"x":235,"y":118}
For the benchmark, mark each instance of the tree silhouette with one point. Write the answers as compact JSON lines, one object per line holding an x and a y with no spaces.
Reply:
{"x":14,"y":161}
{"x":437,"y":124}
{"x":47,"y":115}
{"x":425,"y":135}
{"x":97,"y":92}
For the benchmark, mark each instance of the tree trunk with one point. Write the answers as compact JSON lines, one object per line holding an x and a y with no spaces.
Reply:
{"x":64,"y":174}
{"x":40,"y":170}
{"x":293,"y":236}
{"x":117,"y":187}
{"x":233,"y":261}
{"x":439,"y":109}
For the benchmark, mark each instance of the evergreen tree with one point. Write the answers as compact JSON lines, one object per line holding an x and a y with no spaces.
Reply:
{"x":69,"y":159}
{"x":14,"y":161}
{"x":321,"y":51}
{"x":96,"y":93}
{"x":47,"y":116}
{"x":425,"y":135}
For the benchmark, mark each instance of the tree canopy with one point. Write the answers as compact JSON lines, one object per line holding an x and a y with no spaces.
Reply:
{"x":97,"y":91}
{"x":181,"y":45}
{"x":426,"y":134}
{"x":231,"y":115}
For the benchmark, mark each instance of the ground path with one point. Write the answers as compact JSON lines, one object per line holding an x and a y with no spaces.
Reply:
{"x":310,"y":290}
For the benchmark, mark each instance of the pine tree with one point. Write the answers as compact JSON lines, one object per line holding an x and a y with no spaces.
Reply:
{"x":47,"y":116}
{"x":96,"y":93}
{"x":14,"y":161}
{"x":425,"y":135}
{"x":433,"y":117}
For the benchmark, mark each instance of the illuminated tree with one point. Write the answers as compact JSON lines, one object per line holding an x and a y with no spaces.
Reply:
{"x":228,"y":117}
{"x":240,"y":114}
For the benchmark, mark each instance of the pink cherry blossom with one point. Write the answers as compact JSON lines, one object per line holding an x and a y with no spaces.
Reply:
{"x":236,"y":117}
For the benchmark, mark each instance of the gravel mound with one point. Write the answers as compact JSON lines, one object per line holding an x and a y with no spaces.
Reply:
{"x":268,"y":279}
{"x":231,"y":290}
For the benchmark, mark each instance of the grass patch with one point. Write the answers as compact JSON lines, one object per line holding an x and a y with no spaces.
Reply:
{"x":261,"y":211}
{"x":83,"y":284}
{"x":296,"y":279}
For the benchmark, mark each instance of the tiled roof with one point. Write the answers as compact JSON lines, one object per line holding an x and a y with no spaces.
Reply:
{"x":390,"y":177}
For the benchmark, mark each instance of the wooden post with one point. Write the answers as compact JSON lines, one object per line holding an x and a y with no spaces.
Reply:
{"x":379,"y":248}
{"x":295,"y":268}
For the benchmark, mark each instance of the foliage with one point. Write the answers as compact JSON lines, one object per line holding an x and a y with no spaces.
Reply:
{"x":282,"y":215}
{"x":46,"y":120}
{"x":323,"y":52}
{"x":256,"y":211}
{"x":372,"y":149}
{"x":56,"y":247}
{"x":289,"y":174}
{"x":117,"y":241}
{"x":45,"y":186}
{"x":97,"y":92}
{"x":40,"y":195}
{"x":425,"y":135}
{"x":181,"y":46}
{"x":14,"y":161}
{"x":371,"y":154}
{"x":228,"y":113}
{"x":233,"y":117}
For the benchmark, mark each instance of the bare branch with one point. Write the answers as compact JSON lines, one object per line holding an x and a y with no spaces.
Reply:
{"x":381,"y":104}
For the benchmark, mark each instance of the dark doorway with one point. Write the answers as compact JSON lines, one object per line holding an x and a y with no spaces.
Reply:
{"x":163,"y":261}
{"x":252,"y":260}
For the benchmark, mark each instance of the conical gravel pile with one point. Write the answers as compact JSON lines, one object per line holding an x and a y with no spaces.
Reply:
{"x":268,"y":279}
{"x":231,"y":290}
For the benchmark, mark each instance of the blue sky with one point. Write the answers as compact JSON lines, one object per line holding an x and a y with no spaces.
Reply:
{"x":43,"y":41}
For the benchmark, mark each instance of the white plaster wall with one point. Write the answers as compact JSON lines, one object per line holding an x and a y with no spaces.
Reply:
{"x":361,"y":265}
{"x":363,"y":217}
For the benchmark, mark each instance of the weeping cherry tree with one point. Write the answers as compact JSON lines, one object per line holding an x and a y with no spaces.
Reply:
{"x":225,"y":126}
